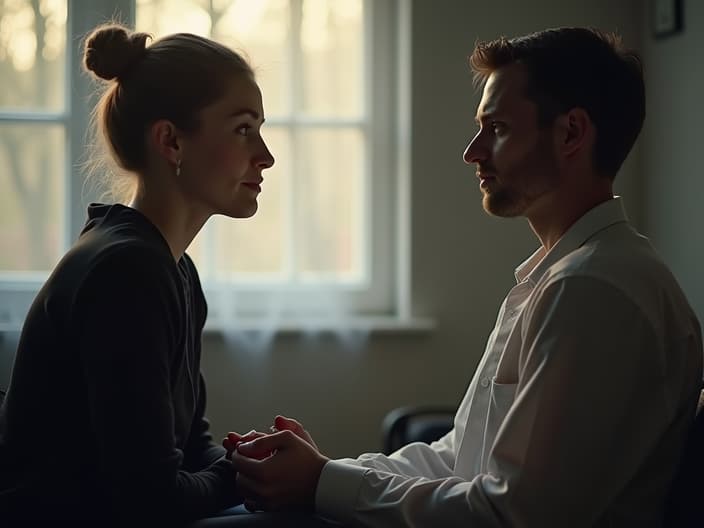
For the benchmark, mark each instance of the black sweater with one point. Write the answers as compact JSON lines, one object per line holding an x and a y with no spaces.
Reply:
{"x":105,"y":410}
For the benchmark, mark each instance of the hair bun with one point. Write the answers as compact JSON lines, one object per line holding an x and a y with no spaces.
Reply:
{"x":111,"y":50}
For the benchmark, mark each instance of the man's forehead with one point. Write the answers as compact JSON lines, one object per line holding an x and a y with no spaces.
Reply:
{"x":504,"y":87}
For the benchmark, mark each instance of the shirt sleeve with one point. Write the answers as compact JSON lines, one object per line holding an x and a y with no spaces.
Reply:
{"x":564,"y":450}
{"x":127,"y":320}
{"x":415,"y":459}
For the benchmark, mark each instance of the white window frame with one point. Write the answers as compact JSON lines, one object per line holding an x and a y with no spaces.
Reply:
{"x":383,"y":303}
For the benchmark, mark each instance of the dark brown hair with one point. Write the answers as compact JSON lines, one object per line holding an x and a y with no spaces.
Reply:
{"x":577,"y":67}
{"x":173,"y":78}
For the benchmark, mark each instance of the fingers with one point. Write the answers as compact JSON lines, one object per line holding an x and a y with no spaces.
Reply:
{"x":248,"y":487}
{"x":282,"y":423}
{"x":254,"y":482}
{"x":267,"y":444}
{"x":287,"y":479}
{"x":229,"y":447}
{"x":246,"y":465}
{"x":234,"y":438}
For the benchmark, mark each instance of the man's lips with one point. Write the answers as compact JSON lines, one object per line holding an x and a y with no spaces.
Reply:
{"x":485,"y":179}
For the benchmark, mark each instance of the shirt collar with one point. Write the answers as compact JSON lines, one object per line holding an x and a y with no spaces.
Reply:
{"x":596,"y":219}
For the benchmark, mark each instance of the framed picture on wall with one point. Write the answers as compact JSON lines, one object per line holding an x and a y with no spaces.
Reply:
{"x":666,"y":16}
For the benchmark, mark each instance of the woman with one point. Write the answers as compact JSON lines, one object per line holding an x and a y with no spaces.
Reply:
{"x":104,"y":421}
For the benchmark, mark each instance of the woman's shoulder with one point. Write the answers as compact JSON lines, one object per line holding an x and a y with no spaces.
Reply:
{"x":116,"y":228}
{"x":116,"y":247}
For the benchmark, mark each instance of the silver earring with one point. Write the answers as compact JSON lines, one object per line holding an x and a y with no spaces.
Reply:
{"x":178,"y":168}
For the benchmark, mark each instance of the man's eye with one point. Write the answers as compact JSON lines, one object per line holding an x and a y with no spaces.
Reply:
{"x":243,"y":130}
{"x":498,"y":127}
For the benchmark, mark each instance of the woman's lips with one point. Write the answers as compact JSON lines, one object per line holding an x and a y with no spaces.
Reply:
{"x":253,"y":185}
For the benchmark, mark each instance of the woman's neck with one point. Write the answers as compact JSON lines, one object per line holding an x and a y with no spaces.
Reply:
{"x":177,"y":220}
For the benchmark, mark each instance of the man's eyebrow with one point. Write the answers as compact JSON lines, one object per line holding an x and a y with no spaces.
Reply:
{"x":247,"y":111}
{"x":486,"y":116}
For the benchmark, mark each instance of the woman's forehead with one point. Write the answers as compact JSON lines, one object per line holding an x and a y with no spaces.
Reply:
{"x":241,"y":95}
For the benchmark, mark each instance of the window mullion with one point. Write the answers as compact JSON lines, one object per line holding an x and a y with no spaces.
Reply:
{"x":295,"y":106}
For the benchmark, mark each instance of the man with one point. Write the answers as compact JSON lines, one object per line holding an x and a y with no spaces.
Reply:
{"x":580,"y":406}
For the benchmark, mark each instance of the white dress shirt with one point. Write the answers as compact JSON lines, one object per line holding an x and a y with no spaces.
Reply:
{"x":576,"y":414}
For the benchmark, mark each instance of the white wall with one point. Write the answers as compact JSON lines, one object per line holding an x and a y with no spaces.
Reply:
{"x":672,"y":148}
{"x":462,"y":260}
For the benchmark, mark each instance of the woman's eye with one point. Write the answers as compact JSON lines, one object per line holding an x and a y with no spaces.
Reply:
{"x":243,"y":130}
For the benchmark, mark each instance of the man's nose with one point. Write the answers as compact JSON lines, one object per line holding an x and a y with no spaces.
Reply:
{"x":475,"y":152}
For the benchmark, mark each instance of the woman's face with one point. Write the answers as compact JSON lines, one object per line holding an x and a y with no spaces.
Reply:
{"x":222,"y":163}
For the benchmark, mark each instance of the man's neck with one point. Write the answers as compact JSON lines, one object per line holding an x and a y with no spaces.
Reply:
{"x":552,"y":215}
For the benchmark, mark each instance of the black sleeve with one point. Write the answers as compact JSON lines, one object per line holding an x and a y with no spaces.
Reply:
{"x":127,"y":320}
{"x":201,"y":452}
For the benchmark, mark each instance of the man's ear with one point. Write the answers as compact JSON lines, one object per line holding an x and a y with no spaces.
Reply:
{"x":575,"y":132}
{"x":164,"y":137}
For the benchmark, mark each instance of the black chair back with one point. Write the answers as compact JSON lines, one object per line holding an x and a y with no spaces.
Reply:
{"x":404,"y":425}
{"x":685,"y":505}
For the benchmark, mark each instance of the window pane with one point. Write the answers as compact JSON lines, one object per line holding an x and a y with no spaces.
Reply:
{"x":32,"y":55}
{"x":32,"y":201}
{"x":332,"y":44}
{"x":260,"y":28}
{"x":161,"y":17}
{"x":329,"y":194}
{"x":257,"y":28}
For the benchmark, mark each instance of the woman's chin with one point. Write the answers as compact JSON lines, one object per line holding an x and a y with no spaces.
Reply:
{"x":240,"y":211}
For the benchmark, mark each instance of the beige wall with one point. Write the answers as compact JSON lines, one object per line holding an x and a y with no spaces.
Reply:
{"x":672,"y":145}
{"x":462,"y":260}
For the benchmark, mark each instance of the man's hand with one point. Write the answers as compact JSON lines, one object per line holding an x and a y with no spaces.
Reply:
{"x":232,"y":439}
{"x":281,"y":423}
{"x":287,"y":479}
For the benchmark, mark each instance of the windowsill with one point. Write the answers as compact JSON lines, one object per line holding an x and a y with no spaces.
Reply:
{"x":368,"y":324}
{"x":378,"y":324}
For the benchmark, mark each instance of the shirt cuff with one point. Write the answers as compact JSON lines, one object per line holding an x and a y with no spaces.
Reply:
{"x":338,"y":488}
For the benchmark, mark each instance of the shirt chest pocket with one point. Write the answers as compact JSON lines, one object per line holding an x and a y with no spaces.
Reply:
{"x":501,"y":398}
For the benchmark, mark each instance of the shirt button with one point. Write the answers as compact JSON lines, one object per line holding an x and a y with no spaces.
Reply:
{"x":484,"y":382}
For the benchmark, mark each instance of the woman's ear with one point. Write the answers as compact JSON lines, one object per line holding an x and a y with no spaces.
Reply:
{"x":164,"y":137}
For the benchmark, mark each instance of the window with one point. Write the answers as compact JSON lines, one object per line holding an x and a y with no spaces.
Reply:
{"x":33,"y":125}
{"x":324,"y":240}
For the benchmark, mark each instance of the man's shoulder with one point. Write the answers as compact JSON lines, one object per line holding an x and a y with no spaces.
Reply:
{"x":626,"y":265}
{"x":620,"y":256}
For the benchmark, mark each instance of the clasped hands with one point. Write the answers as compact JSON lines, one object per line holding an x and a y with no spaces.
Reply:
{"x":278,"y":470}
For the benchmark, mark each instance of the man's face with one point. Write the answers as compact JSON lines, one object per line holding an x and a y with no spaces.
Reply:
{"x":515,"y":158}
